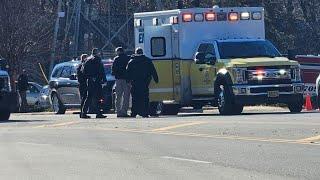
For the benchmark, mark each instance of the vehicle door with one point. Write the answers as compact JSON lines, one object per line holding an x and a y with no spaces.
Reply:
{"x":158,"y":45}
{"x":32,"y":94}
{"x":203,"y":71}
{"x":68,"y":86}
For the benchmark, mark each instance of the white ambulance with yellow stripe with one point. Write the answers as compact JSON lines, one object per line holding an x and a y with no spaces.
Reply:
{"x":215,"y":56}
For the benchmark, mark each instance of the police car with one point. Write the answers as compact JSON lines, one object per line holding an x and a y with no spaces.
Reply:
{"x":216,"y":56}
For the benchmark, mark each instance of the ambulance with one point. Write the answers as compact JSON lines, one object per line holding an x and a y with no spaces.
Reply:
{"x":215,"y":56}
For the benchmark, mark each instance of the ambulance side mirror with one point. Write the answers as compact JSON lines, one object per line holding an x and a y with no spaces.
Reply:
{"x":200,"y":58}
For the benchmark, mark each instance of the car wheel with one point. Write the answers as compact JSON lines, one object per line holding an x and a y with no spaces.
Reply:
{"x":4,"y":115}
{"x":225,"y":102}
{"x":57,"y":106}
{"x":295,"y":107}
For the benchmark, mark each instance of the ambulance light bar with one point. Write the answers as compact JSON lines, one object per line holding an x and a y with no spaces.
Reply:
{"x":187,"y":17}
{"x":233,"y":16}
{"x":245,"y":16}
{"x":256,"y":15}
{"x":198,"y":17}
{"x":210,"y":16}
{"x":155,"y":21}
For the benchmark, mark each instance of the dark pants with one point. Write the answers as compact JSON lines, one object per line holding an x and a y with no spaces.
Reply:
{"x":83,"y":95}
{"x":94,"y":94}
{"x":24,"y":103}
{"x":140,"y":99}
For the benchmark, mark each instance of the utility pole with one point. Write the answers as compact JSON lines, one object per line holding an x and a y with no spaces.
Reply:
{"x":55,"y":37}
{"x":77,"y":28}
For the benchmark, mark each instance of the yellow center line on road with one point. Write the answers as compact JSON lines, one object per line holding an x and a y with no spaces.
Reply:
{"x":57,"y":125}
{"x":310,"y":139}
{"x":186,"y":134}
{"x":178,"y":126}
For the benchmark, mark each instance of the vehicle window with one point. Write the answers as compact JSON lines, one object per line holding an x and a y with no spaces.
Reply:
{"x":158,"y":46}
{"x":33,"y":89}
{"x":250,"y":49}
{"x":56,"y":72}
{"x":66,"y":72}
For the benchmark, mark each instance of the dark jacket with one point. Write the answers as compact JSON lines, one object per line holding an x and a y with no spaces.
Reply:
{"x":23,"y":84}
{"x":119,"y":66}
{"x":93,"y":69}
{"x":80,"y":75}
{"x":141,"y":69}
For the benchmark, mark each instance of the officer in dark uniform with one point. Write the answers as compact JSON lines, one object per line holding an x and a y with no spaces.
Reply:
{"x":94,"y":74}
{"x":82,"y":84}
{"x":140,"y":71}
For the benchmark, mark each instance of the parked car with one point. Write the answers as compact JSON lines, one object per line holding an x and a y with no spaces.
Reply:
{"x":64,"y":87}
{"x":34,"y":97}
{"x":44,"y":98}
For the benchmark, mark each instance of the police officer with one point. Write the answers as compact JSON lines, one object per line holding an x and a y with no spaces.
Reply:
{"x":140,"y":70}
{"x":82,"y":84}
{"x":122,"y":86}
{"x":94,"y":74}
{"x":23,"y":86}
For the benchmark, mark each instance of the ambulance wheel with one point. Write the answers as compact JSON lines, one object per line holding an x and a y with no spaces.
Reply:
{"x":4,"y":115}
{"x":170,"y":109}
{"x":225,"y":101}
{"x":295,"y":107}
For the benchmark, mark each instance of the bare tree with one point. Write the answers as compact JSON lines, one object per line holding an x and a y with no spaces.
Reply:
{"x":25,"y":33}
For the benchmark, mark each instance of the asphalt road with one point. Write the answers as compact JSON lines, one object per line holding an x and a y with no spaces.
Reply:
{"x":264,"y":143}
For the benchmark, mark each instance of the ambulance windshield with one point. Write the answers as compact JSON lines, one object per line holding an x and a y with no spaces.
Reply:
{"x":247,"y":49}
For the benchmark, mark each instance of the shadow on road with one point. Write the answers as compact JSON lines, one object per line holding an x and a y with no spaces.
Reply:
{"x":191,"y":114}
{"x":21,"y":121}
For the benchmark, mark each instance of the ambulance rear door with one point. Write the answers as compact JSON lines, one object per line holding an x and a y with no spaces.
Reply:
{"x":158,"y":45}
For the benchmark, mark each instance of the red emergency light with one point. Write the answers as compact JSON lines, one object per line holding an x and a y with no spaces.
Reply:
{"x":233,"y":16}
{"x":210,"y":16}
{"x":187,"y":17}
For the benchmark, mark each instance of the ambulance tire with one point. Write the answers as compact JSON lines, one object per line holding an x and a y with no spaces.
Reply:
{"x":295,"y":107}
{"x":225,"y":102}
{"x":170,"y":109}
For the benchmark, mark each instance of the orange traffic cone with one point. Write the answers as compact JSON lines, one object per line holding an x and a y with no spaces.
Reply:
{"x":308,"y":105}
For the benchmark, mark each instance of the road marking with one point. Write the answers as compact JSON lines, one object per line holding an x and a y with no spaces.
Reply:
{"x":33,"y":144}
{"x":189,"y":160}
{"x":177,"y":126}
{"x":57,"y":125}
{"x":310,"y":140}
{"x":186,"y":134}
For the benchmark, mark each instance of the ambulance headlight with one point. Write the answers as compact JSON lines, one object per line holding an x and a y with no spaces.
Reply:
{"x":198,"y":17}
{"x":245,"y":16}
{"x":257,"y":15}
{"x":239,"y":75}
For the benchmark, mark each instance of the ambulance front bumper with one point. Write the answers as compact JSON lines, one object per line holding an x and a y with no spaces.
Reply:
{"x":269,"y":94}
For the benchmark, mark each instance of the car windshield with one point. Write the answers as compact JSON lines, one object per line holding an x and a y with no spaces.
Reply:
{"x":248,"y":49}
